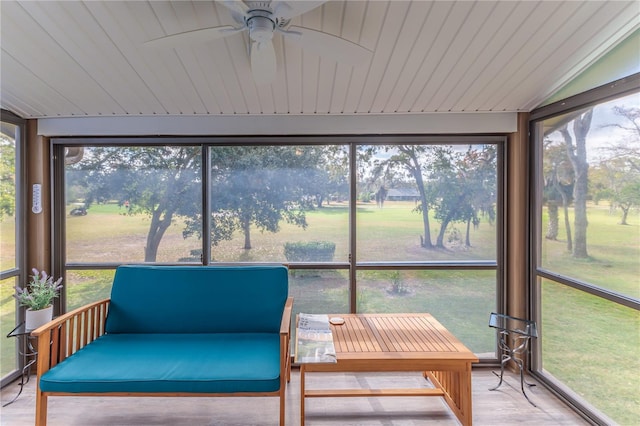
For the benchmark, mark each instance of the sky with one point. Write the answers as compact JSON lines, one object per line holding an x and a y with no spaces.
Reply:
{"x":600,"y":137}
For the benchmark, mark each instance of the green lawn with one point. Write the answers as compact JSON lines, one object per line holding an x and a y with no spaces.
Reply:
{"x":614,"y":251}
{"x":7,"y":243}
{"x":587,"y":340}
{"x":7,"y":323}
{"x":392,"y":233}
{"x":591,"y":345}
{"x":107,"y":234}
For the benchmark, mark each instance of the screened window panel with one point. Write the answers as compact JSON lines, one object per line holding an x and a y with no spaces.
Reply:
{"x":10,"y":212}
{"x":134,"y":204}
{"x":587,"y":253}
{"x":279,"y":203}
{"x":590,"y":196}
{"x":427,"y":203}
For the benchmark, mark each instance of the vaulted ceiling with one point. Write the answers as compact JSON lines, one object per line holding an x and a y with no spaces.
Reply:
{"x":89,"y":58}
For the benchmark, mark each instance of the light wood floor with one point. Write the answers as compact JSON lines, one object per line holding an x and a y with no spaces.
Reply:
{"x":506,"y":406}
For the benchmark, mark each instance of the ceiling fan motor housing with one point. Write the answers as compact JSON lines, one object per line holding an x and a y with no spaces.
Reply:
{"x":261,"y":25}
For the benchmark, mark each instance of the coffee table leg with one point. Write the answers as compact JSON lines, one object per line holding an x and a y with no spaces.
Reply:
{"x":302,"y":395}
{"x":457,"y":391}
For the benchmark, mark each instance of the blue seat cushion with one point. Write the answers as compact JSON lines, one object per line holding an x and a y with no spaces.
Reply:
{"x":195,"y":363}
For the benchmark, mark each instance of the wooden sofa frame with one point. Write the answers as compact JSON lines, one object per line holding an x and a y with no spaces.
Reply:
{"x":70,"y":332}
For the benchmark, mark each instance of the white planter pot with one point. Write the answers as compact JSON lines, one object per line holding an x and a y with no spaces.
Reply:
{"x":35,"y":319}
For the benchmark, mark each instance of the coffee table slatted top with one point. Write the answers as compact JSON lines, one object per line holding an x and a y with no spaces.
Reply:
{"x":408,"y":336}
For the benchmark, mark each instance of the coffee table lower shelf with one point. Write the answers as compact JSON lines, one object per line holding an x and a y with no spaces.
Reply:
{"x":320,"y":393}
{"x":454,"y":387}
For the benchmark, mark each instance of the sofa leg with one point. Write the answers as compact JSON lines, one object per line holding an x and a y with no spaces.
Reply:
{"x":283,"y":397}
{"x":41,"y":408}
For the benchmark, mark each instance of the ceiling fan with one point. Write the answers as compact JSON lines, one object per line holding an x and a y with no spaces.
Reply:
{"x":262,"y":19}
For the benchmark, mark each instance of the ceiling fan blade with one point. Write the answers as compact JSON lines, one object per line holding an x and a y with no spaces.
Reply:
{"x":328,"y":45}
{"x":236,"y":6}
{"x":291,"y":9}
{"x":263,"y":62}
{"x":194,"y":36}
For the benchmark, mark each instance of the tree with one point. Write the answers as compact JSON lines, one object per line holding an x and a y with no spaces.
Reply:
{"x":161,"y":182}
{"x":449,"y":193}
{"x":261,"y":186}
{"x":412,"y":158}
{"x":250,"y":185}
{"x":558,"y":187}
{"x":383,"y":175}
{"x":616,"y":180}
{"x":479,"y":169}
{"x":330,"y":176}
{"x":464,"y":184}
{"x":628,"y":197}
{"x":457,"y":186}
{"x":577,"y":154}
{"x":623,"y":165}
{"x":629,"y":148}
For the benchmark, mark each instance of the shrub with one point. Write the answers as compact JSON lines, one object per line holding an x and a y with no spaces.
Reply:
{"x":311,"y":251}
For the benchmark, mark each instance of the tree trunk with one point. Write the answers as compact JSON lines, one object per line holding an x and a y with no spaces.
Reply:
{"x":567,"y":222}
{"x":412,"y":164}
{"x":425,"y":225}
{"x":246,"y":229}
{"x":467,"y":240}
{"x":581,"y":128}
{"x":578,"y":156}
{"x":156,"y":231}
{"x":625,"y":213}
{"x":443,"y":229}
{"x":426,"y":243}
{"x":552,"y":225}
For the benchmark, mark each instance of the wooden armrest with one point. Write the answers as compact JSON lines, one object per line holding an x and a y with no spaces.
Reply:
{"x":285,"y":350}
{"x":285,"y":325}
{"x":68,"y":333}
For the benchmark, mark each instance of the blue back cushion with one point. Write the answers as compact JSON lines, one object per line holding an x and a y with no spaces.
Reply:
{"x":197,"y":299}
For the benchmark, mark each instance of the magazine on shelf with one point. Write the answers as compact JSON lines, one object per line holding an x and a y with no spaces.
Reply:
{"x":314,"y":340}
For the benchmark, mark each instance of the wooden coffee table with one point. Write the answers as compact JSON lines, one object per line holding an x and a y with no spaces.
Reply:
{"x":398,"y":342}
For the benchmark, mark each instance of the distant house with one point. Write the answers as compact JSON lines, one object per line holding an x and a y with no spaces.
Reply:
{"x":403,"y":194}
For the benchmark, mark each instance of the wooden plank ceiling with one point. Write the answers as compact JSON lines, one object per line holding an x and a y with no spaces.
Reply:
{"x":88,"y":58}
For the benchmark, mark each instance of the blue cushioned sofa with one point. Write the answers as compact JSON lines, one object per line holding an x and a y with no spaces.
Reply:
{"x":173,"y":331}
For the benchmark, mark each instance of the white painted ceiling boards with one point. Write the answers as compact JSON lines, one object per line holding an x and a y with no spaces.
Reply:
{"x":65,"y":59}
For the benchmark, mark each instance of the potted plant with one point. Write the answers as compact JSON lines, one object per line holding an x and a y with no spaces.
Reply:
{"x":37,"y":297}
